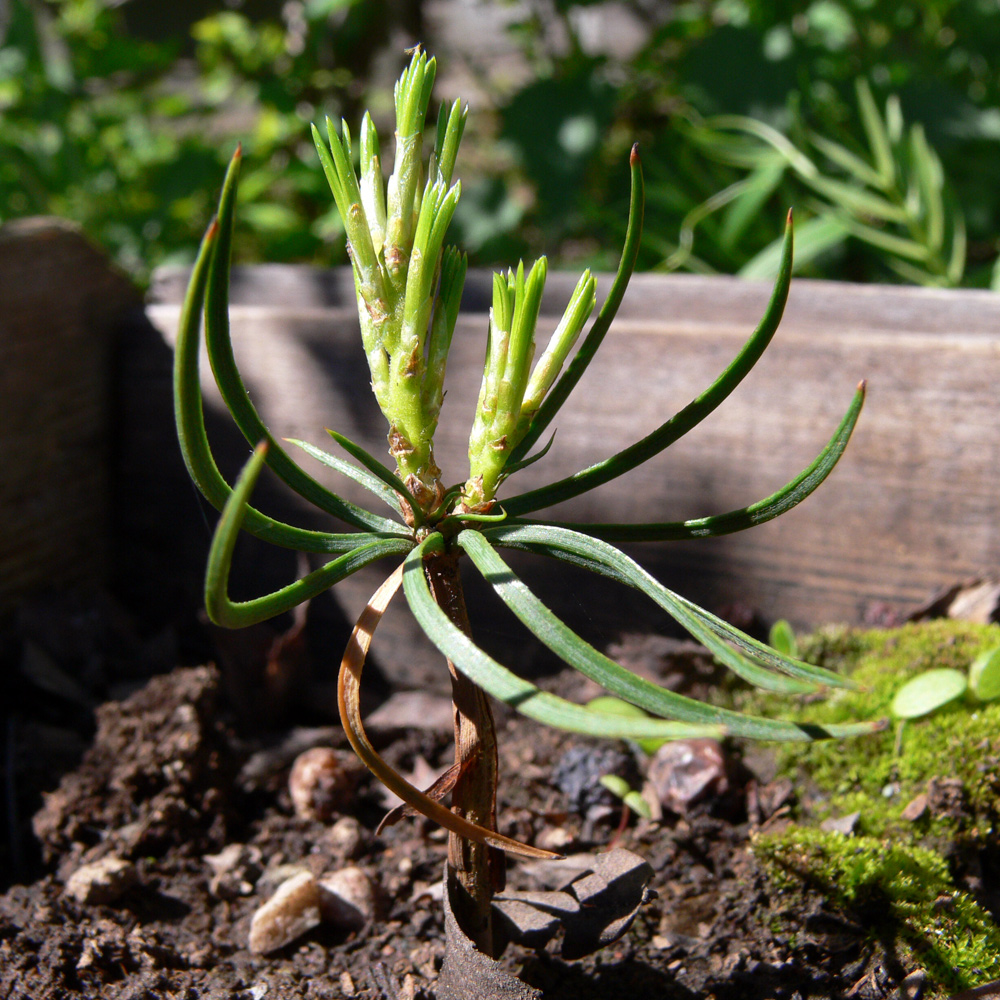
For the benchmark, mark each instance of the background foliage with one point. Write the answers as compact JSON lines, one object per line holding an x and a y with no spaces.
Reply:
{"x":126,"y":126}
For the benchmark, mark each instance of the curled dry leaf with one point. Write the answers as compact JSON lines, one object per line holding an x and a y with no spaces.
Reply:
{"x":348,"y":697}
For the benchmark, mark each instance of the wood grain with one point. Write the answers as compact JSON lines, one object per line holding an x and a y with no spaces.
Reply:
{"x":912,"y":506}
{"x":60,"y":306}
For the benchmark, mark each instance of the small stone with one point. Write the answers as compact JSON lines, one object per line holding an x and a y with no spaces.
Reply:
{"x":347,"y":898}
{"x":686,"y":772}
{"x":345,"y":837}
{"x":916,"y":808}
{"x":554,"y":838}
{"x":979,"y":602}
{"x":292,"y":911}
{"x":578,"y":772}
{"x":321,"y":783}
{"x":274,"y":877}
{"x":529,"y":923}
{"x":102,"y":882}
{"x":765,"y":801}
{"x":609,"y":897}
{"x":841,"y":824}
{"x":235,"y":870}
{"x":427,"y":890}
{"x":913,"y":986}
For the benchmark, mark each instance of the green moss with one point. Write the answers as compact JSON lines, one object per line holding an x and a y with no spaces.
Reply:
{"x":901,"y":888}
{"x":959,"y":743}
{"x":895,"y":867}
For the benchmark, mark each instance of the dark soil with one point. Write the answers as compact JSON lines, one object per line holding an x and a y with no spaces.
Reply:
{"x":167,"y":781}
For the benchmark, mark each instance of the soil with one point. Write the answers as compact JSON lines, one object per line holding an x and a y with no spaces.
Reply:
{"x":169,"y":778}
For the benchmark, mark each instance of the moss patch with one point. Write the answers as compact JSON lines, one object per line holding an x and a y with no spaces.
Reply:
{"x":953,"y":754}
{"x":927,"y":798}
{"x":898,"y":889}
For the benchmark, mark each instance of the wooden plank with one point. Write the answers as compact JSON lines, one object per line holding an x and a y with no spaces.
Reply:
{"x":60,"y":305}
{"x":912,"y":506}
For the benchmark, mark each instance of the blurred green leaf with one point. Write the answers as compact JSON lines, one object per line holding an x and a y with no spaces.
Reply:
{"x":615,"y":706}
{"x":113,"y":128}
{"x":984,"y":675}
{"x":812,"y":239}
{"x":782,"y":638}
{"x":928,"y":692}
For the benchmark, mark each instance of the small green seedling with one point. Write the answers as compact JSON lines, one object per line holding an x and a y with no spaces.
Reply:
{"x":409,"y":288}
{"x":615,"y":706}
{"x":984,"y":675}
{"x":782,"y":638}
{"x":933,"y":689}
{"x":619,"y":787}
{"x":928,"y":692}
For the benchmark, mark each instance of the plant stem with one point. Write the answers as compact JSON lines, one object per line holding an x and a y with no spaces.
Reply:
{"x":478,"y":868}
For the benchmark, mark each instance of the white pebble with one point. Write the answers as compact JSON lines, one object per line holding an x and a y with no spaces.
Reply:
{"x":345,"y":836}
{"x":291,"y":912}
{"x":321,"y":783}
{"x":347,"y":898}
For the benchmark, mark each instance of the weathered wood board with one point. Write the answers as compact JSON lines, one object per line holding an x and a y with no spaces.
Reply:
{"x":60,"y":307}
{"x":913,"y":505}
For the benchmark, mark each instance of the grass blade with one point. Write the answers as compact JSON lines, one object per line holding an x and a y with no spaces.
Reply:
{"x":566,"y":644}
{"x":361,"y":476}
{"x":959,"y":245}
{"x":746,"y":209}
{"x":232,"y":389}
{"x":559,"y":393}
{"x":878,"y":136}
{"x":511,"y":467}
{"x":930,"y":179}
{"x":238,"y":614}
{"x":375,"y":467}
{"x":683,"y":421}
{"x":512,"y":690}
{"x":812,"y":238}
{"x":846,"y":160}
{"x":899,"y":245}
{"x":190,"y":418}
{"x":789,"y":496}
{"x":754,"y":661}
{"x":861,"y":203}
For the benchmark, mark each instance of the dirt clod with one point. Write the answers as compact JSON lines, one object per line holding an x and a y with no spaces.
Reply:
{"x":104,"y":881}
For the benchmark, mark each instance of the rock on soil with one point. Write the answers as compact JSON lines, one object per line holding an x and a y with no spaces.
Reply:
{"x":291,"y":912}
{"x":104,"y":881}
